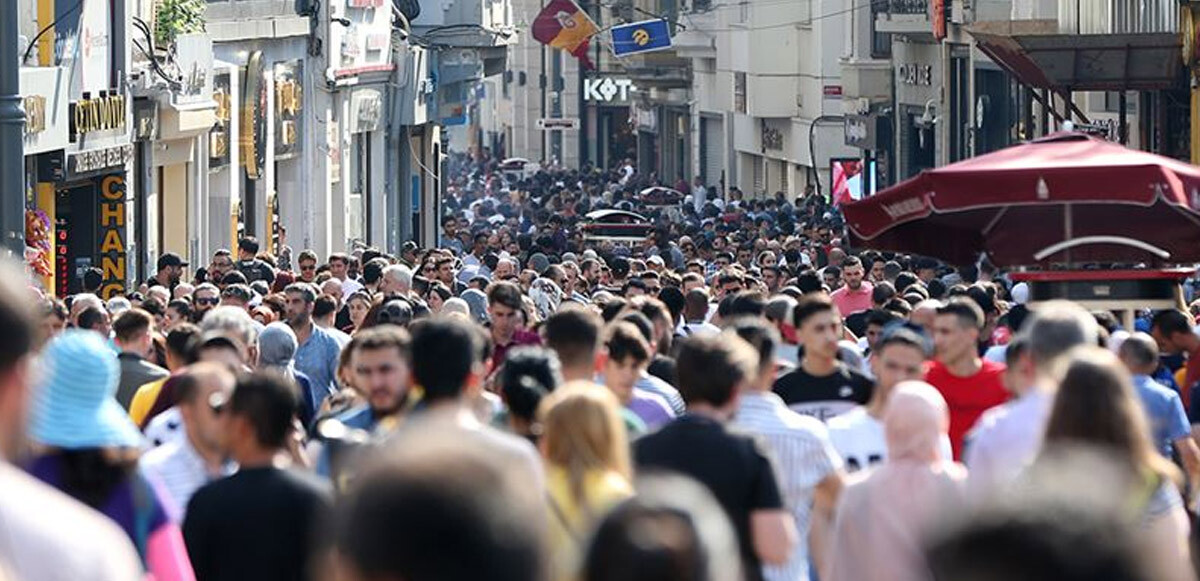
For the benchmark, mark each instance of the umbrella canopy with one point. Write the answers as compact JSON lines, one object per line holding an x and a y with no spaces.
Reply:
{"x":1065,"y":198}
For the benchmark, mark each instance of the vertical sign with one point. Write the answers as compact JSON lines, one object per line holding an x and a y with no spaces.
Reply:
{"x":937,"y":9}
{"x":112,"y":235}
{"x":289,"y":108}
{"x":218,"y":136}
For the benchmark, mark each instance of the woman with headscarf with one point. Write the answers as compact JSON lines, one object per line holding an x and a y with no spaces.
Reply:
{"x":882,"y":519}
{"x":87,"y":447}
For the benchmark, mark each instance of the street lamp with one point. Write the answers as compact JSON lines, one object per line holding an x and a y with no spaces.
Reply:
{"x":12,"y":122}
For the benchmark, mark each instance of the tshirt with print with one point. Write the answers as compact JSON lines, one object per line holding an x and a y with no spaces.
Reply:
{"x":860,"y":441}
{"x":824,"y":397}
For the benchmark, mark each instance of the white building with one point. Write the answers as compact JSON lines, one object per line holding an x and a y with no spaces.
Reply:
{"x":767,"y":92}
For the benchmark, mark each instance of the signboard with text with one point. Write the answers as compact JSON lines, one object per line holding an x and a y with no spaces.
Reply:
{"x":219,"y":136}
{"x":558,"y":124}
{"x":289,"y":108}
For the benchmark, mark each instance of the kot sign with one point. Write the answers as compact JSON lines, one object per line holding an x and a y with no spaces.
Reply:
{"x":607,"y":89}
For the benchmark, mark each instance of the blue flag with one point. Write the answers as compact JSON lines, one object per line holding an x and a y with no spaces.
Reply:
{"x":644,"y":36}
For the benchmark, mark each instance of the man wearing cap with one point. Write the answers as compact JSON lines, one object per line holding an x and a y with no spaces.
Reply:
{"x":170,"y":271}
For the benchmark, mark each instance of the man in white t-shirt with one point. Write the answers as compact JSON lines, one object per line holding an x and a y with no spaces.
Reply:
{"x":857,"y":435}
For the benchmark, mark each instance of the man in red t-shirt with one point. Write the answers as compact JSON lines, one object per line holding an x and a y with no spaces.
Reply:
{"x":1173,"y":332}
{"x":969,"y":384}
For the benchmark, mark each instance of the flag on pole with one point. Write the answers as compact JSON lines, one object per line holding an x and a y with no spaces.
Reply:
{"x":563,"y":25}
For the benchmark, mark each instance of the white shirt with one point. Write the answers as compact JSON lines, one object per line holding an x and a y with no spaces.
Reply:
{"x":803,"y":458}
{"x":1004,"y":441}
{"x":349,"y":287}
{"x":703,"y":328}
{"x":181,"y":471}
{"x":165,"y":428}
{"x":860,"y":441}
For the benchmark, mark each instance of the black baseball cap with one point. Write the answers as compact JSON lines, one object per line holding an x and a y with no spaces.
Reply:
{"x":170,"y":259}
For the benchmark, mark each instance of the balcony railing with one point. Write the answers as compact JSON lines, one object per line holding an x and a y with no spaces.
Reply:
{"x":1118,"y":16}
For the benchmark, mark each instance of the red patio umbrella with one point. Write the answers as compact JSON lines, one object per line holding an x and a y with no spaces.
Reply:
{"x":1065,"y":198}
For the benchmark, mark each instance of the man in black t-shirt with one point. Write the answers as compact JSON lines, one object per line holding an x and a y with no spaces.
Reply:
{"x":712,"y":369}
{"x":250,"y":265}
{"x":263,"y":523}
{"x":821,"y":386}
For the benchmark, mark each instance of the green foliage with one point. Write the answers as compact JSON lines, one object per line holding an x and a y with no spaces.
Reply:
{"x":176,"y":17}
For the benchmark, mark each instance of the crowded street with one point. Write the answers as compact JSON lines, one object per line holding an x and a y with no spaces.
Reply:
{"x":570,"y":290}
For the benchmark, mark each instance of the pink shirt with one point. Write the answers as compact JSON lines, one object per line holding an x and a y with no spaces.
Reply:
{"x":849,"y":302}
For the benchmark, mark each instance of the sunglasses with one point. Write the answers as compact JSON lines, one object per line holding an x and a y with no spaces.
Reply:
{"x":309,"y":267}
{"x":211,"y":301}
{"x":217,"y":402}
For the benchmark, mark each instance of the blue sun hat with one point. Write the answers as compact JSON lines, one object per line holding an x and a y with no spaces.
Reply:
{"x":73,"y":404}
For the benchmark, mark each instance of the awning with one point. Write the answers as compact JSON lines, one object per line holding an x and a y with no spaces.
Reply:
{"x":1040,"y":56}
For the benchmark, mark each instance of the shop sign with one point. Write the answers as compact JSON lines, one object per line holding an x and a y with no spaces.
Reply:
{"x":645,"y":119}
{"x":44,"y":99}
{"x":88,"y":162}
{"x":194,"y":55}
{"x":558,"y":124}
{"x":112,"y":235}
{"x":333,"y":141}
{"x":366,"y":109}
{"x":35,"y":114}
{"x":254,"y":119}
{"x":607,"y":89}
{"x":218,"y":136}
{"x":106,"y":112}
{"x":289,"y":108}
{"x":831,"y":90}
{"x":860,"y":131}
{"x":772,"y":138}
{"x":916,"y":75}
{"x":145,"y":119}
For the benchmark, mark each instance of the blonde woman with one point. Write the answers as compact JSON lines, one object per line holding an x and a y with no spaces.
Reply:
{"x":587,"y":467}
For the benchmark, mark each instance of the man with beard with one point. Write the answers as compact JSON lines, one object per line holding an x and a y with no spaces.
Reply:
{"x":318,"y":352}
{"x":381,"y":367}
{"x":855,"y":295}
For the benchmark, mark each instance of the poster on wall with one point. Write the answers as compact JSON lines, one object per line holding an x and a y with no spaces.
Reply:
{"x":289,"y":108}
{"x":850,"y":180}
{"x":82,"y":45}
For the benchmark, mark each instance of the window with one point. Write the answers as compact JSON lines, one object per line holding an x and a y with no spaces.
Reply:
{"x":881,"y":42}
{"x":1112,"y":102}
{"x":739,"y":92}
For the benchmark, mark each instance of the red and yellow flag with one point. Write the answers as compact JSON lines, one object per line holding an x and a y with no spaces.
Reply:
{"x":563,"y":25}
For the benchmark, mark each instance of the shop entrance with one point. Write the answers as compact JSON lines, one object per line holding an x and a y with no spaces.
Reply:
{"x":75,"y":236}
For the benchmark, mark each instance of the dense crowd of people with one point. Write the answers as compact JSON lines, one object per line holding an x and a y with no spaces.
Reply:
{"x":740,"y":396}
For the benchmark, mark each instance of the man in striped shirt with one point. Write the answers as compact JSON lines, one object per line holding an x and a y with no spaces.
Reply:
{"x":808,"y":469}
{"x":185,"y":464}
